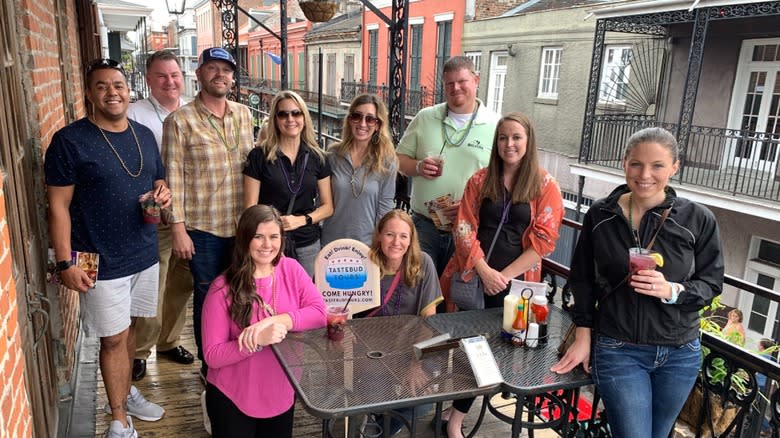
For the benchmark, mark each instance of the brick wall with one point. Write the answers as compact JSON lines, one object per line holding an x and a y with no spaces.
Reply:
{"x":15,"y":417}
{"x":48,"y":61}
{"x":494,"y":8}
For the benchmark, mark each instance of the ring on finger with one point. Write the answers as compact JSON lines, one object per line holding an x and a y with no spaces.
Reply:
{"x":652,"y":286}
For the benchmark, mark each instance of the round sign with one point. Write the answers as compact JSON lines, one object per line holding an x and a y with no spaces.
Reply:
{"x":254,"y":99}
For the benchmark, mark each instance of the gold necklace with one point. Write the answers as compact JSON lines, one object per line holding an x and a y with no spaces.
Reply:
{"x":118,"y":157}
{"x":354,"y":179}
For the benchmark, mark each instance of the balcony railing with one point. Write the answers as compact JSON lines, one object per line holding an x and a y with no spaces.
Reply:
{"x":737,"y":162}
{"x":415,"y":99}
{"x":743,"y":408}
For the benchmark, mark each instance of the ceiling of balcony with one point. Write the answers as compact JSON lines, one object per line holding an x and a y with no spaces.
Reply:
{"x":122,"y":16}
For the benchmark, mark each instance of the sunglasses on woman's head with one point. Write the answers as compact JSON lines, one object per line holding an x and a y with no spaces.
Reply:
{"x":282,"y":114}
{"x":357,"y":117}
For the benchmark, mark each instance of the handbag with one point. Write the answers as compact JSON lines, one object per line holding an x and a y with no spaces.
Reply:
{"x":569,"y":335}
{"x":470,"y":295}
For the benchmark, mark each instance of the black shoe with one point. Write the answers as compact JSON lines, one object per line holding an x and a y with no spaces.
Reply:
{"x":178,"y":355}
{"x":139,"y":369}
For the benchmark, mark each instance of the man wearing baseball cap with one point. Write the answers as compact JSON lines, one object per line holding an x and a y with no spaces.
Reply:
{"x":204,"y":146}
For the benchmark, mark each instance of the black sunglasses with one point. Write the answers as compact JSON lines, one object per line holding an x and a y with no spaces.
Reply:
{"x":104,"y":63}
{"x":357,"y":117}
{"x":282,"y":114}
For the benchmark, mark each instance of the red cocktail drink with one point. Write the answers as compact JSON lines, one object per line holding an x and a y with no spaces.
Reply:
{"x":337,"y":319}
{"x":640,"y":259}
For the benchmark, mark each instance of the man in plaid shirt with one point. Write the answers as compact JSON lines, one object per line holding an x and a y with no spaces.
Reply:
{"x":204,"y":146}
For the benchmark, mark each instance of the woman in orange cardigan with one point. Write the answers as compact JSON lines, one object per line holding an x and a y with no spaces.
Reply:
{"x":516,"y":190}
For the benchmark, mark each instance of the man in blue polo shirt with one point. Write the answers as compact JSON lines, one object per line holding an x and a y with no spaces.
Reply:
{"x":96,"y":168}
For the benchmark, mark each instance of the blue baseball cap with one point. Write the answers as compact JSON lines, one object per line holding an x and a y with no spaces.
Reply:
{"x":216,"y":54}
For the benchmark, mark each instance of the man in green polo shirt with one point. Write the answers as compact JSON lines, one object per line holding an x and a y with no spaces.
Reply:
{"x":458,"y":132}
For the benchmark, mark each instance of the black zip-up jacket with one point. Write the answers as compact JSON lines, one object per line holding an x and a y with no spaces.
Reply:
{"x":689,"y":242}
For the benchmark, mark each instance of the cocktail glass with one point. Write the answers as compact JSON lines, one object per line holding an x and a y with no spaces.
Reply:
{"x":640,"y":259}
{"x":337,"y":319}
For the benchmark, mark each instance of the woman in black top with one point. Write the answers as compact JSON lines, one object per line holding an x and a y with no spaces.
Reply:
{"x":639,"y":333}
{"x":289,"y":172}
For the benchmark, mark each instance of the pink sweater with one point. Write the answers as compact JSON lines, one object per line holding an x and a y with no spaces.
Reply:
{"x":255,"y":382}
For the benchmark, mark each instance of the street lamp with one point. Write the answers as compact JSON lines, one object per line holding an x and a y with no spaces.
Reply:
{"x":175,"y":7}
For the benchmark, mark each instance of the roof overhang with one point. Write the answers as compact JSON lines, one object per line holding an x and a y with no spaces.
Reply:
{"x":122,"y":16}
{"x":750,"y":206}
{"x":625,"y":8}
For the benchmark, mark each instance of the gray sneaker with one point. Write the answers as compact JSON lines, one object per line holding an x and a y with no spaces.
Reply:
{"x":139,"y":407}
{"x":116,"y":430}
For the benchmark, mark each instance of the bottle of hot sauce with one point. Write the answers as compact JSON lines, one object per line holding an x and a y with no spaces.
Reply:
{"x":540,"y":311}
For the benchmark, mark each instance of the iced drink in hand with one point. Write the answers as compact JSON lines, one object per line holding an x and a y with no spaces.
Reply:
{"x":439,"y":159}
{"x":643,"y":259}
{"x":337,"y":319}
{"x":150,"y":208}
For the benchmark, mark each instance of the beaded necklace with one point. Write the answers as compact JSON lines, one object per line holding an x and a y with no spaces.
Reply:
{"x":399,"y":296}
{"x":156,"y":111}
{"x":223,"y":135}
{"x":296,"y":186}
{"x":446,"y":135}
{"x":116,"y":153}
{"x":270,"y":310}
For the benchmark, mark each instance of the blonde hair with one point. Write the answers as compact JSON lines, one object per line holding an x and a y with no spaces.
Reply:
{"x":271,"y":144}
{"x":527,"y":184}
{"x":412,"y":262}
{"x":381,"y":153}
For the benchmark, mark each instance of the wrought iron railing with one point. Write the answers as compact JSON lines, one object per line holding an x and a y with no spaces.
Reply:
{"x":415,"y":100}
{"x":737,"y":162}
{"x":734,"y":406}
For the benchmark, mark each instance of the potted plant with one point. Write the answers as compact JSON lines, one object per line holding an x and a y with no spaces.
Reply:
{"x":729,"y":388}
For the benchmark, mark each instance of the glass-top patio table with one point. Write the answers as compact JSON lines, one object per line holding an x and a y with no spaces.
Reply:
{"x":526,"y":371}
{"x":373,"y":369}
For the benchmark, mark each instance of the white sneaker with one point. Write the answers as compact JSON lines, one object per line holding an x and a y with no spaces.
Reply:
{"x":139,"y":407}
{"x":206,"y":419}
{"x":116,"y":430}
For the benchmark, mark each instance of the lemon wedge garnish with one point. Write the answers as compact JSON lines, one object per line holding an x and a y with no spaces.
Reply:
{"x":659,"y":259}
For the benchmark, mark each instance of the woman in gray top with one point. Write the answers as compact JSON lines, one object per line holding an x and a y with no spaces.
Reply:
{"x":364,"y":168}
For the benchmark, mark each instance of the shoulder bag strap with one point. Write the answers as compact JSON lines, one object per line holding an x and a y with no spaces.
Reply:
{"x":390,"y":291}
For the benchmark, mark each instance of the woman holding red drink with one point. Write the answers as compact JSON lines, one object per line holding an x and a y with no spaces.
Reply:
{"x":638,"y":331}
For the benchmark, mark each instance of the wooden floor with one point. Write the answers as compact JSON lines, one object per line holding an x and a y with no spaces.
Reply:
{"x":177,"y":388}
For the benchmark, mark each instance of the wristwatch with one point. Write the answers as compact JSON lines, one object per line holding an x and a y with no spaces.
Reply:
{"x":308,"y":219}
{"x":63,"y":265}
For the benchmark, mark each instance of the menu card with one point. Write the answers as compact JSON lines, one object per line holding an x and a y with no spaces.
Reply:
{"x":481,"y":360}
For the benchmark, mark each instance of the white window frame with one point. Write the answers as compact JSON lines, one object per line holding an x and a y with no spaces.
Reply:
{"x":550,"y":72}
{"x":753,"y":268}
{"x":495,"y":99}
{"x":614,"y":70}
{"x":476,"y":58}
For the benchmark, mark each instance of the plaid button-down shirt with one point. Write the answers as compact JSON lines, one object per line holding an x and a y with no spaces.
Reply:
{"x":203,"y":156}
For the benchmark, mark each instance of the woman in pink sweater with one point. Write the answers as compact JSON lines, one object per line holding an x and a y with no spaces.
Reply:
{"x":260,"y":297}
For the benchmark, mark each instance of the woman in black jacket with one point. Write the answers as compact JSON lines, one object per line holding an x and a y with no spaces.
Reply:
{"x":640,"y":331}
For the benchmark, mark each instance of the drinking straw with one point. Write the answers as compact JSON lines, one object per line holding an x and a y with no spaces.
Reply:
{"x":348,"y":300}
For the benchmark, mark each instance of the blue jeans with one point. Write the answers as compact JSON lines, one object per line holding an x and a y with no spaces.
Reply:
{"x":212,"y":256}
{"x":436,"y":243}
{"x":307,"y":255}
{"x":643,"y":387}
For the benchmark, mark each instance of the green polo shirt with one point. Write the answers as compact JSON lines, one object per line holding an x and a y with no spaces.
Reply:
{"x":425,"y":134}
